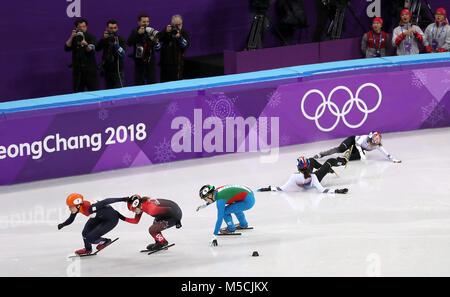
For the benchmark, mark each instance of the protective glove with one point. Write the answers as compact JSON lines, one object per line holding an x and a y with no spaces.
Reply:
{"x":428,"y":49}
{"x":396,"y":161}
{"x":60,"y":226}
{"x":178,"y":225}
{"x":442,"y":50}
{"x":201,"y":206}
{"x":341,"y":191}
{"x":214,"y":241}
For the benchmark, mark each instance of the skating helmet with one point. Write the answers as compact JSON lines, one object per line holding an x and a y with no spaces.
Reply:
{"x":205,"y":190}
{"x":134,"y":202}
{"x":302,"y":163}
{"x":74,"y":200}
{"x":375,"y":137}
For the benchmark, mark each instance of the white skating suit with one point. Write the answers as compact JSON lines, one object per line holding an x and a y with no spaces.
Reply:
{"x":297,"y":181}
{"x":362,"y":142}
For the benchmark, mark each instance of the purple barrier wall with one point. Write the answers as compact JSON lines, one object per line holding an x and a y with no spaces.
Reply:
{"x":34,"y":64}
{"x":293,"y":55}
{"x":147,"y":130}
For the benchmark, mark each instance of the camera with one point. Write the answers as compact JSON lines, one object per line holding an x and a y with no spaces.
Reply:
{"x":175,"y":29}
{"x":151,"y":31}
{"x":79,"y":36}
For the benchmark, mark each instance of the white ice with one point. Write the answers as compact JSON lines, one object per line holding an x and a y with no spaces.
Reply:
{"x":395,"y":220}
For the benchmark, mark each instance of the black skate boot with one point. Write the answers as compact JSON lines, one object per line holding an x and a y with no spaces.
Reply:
{"x":157,"y":245}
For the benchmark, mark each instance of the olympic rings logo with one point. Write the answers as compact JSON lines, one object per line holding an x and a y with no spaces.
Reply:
{"x":334,"y":109}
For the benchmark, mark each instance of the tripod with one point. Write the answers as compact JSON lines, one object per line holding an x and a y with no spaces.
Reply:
{"x":334,"y":31}
{"x":416,"y":7}
{"x":260,"y":21}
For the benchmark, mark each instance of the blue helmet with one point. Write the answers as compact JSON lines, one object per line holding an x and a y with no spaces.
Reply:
{"x":302,"y":163}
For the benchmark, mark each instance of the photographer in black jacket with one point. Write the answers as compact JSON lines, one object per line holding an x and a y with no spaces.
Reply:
{"x":82,"y":45}
{"x":144,"y":41}
{"x":113,"y":47}
{"x":175,"y":40}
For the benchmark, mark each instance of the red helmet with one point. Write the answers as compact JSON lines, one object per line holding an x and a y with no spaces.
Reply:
{"x":134,"y":202}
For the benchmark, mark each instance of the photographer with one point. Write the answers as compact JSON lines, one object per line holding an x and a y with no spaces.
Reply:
{"x":375,"y":43}
{"x":113,"y":47}
{"x":175,"y":40}
{"x":144,"y":41}
{"x":82,"y":45}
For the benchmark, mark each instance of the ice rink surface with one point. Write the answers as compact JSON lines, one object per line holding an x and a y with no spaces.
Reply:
{"x":395,"y":220}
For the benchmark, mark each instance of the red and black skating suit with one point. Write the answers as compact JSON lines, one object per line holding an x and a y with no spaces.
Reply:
{"x":166,"y":213}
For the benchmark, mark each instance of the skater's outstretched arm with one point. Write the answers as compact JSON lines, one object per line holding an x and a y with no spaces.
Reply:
{"x":68,"y":221}
{"x":98,"y":205}
{"x":387,"y":155}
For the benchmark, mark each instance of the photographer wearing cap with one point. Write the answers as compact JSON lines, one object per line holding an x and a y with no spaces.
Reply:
{"x":175,"y":40}
{"x":144,"y":41}
{"x":82,"y":45}
{"x":375,"y":43}
{"x":113,"y":46}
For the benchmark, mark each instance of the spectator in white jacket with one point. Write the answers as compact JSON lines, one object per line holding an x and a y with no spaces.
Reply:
{"x":406,"y":36}
{"x":437,"y":34}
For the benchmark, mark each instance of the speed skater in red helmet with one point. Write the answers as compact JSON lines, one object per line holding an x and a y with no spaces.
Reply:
{"x":102,"y":219}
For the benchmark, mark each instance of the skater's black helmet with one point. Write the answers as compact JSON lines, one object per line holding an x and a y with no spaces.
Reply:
{"x":205,"y":190}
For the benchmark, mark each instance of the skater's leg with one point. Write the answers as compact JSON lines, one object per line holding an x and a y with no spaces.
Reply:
{"x":107,"y":219}
{"x":238,"y":209}
{"x":314,"y":163}
{"x":156,"y":228}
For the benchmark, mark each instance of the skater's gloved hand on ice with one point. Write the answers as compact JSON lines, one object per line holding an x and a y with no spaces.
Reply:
{"x":214,"y":241}
{"x":396,"y":161}
{"x":341,"y":191}
{"x":178,"y":225}
{"x":202,"y":206}
{"x":60,"y":226}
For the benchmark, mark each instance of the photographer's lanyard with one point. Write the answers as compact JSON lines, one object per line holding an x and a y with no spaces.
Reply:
{"x":401,"y":27}
{"x":375,"y":42}
{"x":432,"y":32}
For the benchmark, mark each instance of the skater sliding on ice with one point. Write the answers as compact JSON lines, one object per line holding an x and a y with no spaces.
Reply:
{"x":230,"y":199}
{"x":166,"y":213}
{"x":307,"y":178}
{"x":362,"y":144}
{"x":103,"y":218}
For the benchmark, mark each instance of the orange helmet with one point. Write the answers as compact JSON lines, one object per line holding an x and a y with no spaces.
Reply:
{"x":74,"y":199}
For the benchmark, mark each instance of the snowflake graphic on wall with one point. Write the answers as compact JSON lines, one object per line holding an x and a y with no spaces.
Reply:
{"x":274,"y":99}
{"x":103,"y":114}
{"x":419,"y":79}
{"x":173,"y":108}
{"x":433,"y":113}
{"x":164,"y":152}
{"x":126,"y":159}
{"x":222,"y":106}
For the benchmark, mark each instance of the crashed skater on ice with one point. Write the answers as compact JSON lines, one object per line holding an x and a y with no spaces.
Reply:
{"x":307,"y":178}
{"x":362,"y":143}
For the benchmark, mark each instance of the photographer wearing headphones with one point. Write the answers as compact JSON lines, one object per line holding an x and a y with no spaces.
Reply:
{"x":175,"y":40}
{"x":144,"y":41}
{"x":113,"y":47}
{"x":82,"y":45}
